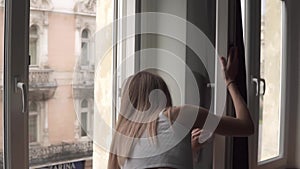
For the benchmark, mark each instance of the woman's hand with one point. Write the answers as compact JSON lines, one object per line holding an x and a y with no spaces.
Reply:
{"x":196,"y":146}
{"x":230,"y":66}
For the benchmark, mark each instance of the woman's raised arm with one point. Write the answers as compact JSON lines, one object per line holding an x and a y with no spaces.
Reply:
{"x":240,"y":125}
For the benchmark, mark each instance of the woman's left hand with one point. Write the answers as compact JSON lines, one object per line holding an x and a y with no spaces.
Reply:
{"x":196,"y":146}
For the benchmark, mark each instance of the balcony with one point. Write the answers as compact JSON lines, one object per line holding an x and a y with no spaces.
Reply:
{"x":83,"y":84}
{"x":41,"y":84}
{"x":39,"y":155}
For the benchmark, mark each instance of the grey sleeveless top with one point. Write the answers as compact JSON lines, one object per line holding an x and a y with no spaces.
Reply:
{"x":172,"y":148}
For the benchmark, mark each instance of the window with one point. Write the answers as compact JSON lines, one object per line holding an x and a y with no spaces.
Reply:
{"x":50,"y":41}
{"x":84,"y":121}
{"x":267,"y":82}
{"x":84,"y":118}
{"x":33,"y":41}
{"x":270,"y":100}
{"x":85,"y":47}
{"x":33,"y":123}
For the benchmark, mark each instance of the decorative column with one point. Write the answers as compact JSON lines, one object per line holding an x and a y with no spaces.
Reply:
{"x":44,"y":117}
{"x":78,"y":40}
{"x":77,"y":123}
{"x":44,"y":43}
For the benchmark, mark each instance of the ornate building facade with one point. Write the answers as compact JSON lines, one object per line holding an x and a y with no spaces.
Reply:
{"x":61,"y":82}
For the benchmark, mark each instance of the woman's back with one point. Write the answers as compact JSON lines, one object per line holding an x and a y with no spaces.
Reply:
{"x":144,"y":96}
{"x":171,"y":149}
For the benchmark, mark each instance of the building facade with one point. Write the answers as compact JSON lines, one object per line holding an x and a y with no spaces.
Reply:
{"x":61,"y":82}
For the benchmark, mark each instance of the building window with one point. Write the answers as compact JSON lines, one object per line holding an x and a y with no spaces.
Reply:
{"x":33,"y":41}
{"x":33,"y":123}
{"x":84,"y":118}
{"x":85,"y":47}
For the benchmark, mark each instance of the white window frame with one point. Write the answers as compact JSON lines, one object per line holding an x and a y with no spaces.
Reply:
{"x":253,"y":42}
{"x":219,"y":153}
{"x":123,"y":48}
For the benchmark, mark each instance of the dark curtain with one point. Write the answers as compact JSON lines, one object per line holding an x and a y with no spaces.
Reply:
{"x":239,"y":144}
{"x":202,"y":14}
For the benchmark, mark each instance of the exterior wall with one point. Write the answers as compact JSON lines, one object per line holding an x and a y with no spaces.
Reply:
{"x":63,"y":6}
{"x":62,"y":42}
{"x":52,"y":81}
{"x":61,"y":117}
{"x":62,"y":59}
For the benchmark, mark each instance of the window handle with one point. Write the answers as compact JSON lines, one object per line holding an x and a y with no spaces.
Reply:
{"x":258,"y":82}
{"x":22,"y":87}
{"x":264,"y":86}
{"x":210,"y":85}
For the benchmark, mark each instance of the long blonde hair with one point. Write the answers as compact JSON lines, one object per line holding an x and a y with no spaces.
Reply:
{"x":132,"y":119}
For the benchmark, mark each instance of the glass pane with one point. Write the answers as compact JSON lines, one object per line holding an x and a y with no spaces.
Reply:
{"x":33,"y":107}
{"x":84,"y":53}
{"x":270,"y":66}
{"x":32,"y":51}
{"x":61,"y":84}
{"x":33,"y":30}
{"x":33,"y":40}
{"x":85,"y":34}
{"x":84,"y":104}
{"x":84,"y":121}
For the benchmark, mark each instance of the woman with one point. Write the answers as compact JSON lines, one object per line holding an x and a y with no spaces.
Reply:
{"x":151,"y":133}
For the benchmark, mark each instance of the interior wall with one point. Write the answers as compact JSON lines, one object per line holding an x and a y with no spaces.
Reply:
{"x":163,"y":52}
{"x":293,"y":85}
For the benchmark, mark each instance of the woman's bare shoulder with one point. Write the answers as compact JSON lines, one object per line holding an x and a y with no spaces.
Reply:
{"x":173,"y":112}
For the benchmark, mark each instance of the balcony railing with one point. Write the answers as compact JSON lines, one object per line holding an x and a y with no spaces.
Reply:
{"x":41,"y":78}
{"x":39,"y":155}
{"x":83,"y":83}
{"x":84,"y":78}
{"x":42,"y":85}
{"x":61,"y":152}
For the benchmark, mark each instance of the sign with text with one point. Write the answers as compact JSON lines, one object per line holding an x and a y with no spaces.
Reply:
{"x":73,"y":165}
